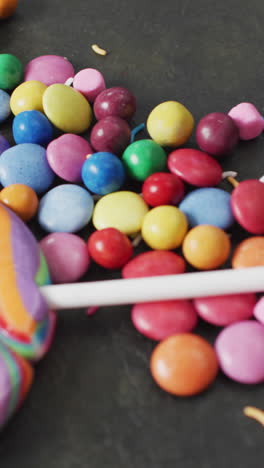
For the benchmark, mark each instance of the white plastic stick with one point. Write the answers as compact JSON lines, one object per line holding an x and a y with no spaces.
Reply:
{"x":131,"y":291}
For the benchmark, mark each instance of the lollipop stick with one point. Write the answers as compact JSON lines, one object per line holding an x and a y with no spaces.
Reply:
{"x":130,"y":291}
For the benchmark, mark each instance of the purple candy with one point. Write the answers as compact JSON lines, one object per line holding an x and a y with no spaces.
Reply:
{"x":217,"y":134}
{"x":4,"y":145}
{"x":240,"y":350}
{"x":111,"y":134}
{"x":115,"y":101}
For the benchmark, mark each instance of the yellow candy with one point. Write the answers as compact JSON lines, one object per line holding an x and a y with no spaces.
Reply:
{"x":27,"y":96}
{"x":121,"y":210}
{"x":206,"y":247}
{"x":170,"y":124}
{"x":67,"y":109}
{"x":164,"y":228}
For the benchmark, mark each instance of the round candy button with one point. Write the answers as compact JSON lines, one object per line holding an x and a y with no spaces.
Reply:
{"x":4,"y":144}
{"x":66,"y":255}
{"x":159,"y":320}
{"x":248,"y":120}
{"x":195,"y":167}
{"x":259,"y":310}
{"x":217,"y":134}
{"x":26,"y":164}
{"x":67,"y":109}
{"x":184,"y":365}
{"x":32,"y":127}
{"x":208,"y":206}
{"x":103,"y":173}
{"x":154,"y":263}
{"x":110,"y":248}
{"x":66,"y":156}
{"x":206,"y":247}
{"x":170,"y":124}
{"x":89,"y":82}
{"x":66,"y":208}
{"x":110,"y":134}
{"x":144,"y":157}
{"x":116,"y":101}
{"x":247,"y":205}
{"x":5,"y":110}
{"x":163,"y":188}
{"x":124,"y":211}
{"x":21,"y":199}
{"x":49,"y":69}
{"x":240,"y":350}
{"x":11,"y":71}
{"x":224,"y":310}
{"x":27,"y":96}
{"x":249,"y":253}
{"x":164,"y":228}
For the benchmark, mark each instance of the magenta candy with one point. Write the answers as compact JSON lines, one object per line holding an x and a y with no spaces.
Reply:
{"x":224,"y":310}
{"x":67,"y":256}
{"x":217,"y":134}
{"x":195,"y":167}
{"x":117,"y":101}
{"x":248,"y":120}
{"x":240,"y":350}
{"x":159,"y":320}
{"x":247,"y":205}
{"x":154,"y":263}
{"x":259,"y":310}
{"x":89,"y":82}
{"x":111,"y":134}
{"x":49,"y":69}
{"x":66,"y":156}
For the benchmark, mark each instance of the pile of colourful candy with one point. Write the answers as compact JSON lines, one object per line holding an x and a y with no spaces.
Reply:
{"x":180,"y":205}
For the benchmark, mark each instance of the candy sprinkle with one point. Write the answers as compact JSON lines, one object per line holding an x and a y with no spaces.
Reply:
{"x":254,"y":413}
{"x":98,"y":50}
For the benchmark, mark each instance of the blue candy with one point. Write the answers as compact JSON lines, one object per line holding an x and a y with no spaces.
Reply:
{"x":26,"y":164}
{"x":4,"y":145}
{"x":208,"y":206}
{"x":103,"y":173}
{"x":5,"y":110}
{"x":32,"y":127}
{"x":66,"y":208}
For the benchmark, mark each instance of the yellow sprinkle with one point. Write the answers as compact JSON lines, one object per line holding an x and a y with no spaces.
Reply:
{"x":254,"y":413}
{"x":233,"y":181}
{"x":98,"y":50}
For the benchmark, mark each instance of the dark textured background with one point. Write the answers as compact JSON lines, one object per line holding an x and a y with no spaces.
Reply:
{"x":93,"y":403}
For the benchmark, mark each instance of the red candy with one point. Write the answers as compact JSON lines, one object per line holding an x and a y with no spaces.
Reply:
{"x":154,"y":263}
{"x":217,"y":134}
{"x":159,"y":320}
{"x":247,"y":204}
{"x":163,"y":188}
{"x":224,"y":310}
{"x":195,"y":167}
{"x":110,"y":248}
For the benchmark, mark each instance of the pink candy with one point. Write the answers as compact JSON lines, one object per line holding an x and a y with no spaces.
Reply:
{"x":67,"y":256}
{"x":240,"y":350}
{"x":90,"y":83}
{"x":259,"y":310}
{"x":159,"y":320}
{"x":49,"y":69}
{"x":66,"y":156}
{"x":248,"y":120}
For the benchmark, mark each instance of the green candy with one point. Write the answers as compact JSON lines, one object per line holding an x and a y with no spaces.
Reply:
{"x":11,"y":71}
{"x":143,"y":158}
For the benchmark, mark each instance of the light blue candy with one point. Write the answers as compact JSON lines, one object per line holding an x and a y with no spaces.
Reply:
{"x":5,"y":110}
{"x":66,"y":208}
{"x":208,"y":206}
{"x":26,"y":164}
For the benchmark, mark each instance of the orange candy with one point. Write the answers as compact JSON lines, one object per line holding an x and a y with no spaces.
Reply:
{"x":21,"y":199}
{"x":249,"y":253}
{"x":206,"y":247}
{"x":7,"y":8}
{"x":184,"y":364}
